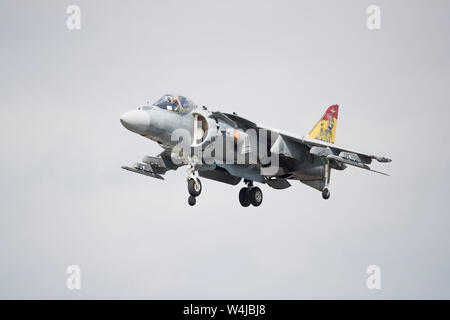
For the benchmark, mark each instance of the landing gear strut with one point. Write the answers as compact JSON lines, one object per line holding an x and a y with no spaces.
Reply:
{"x":250,"y":195}
{"x":326,"y":191}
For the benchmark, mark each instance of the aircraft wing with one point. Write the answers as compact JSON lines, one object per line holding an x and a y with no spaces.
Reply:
{"x":334,"y":153}
{"x":320,"y":148}
{"x":363,"y":157}
{"x":154,"y":167}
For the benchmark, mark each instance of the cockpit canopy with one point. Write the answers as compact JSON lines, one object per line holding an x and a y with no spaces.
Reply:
{"x":175,"y":103}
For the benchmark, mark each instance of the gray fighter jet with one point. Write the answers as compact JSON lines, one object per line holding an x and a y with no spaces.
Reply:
{"x":228,"y":148}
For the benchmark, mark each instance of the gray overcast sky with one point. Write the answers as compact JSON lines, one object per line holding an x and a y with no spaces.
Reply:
{"x":64,"y":199}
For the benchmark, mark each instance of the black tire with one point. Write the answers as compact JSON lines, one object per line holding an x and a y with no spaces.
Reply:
{"x":256,"y":196}
{"x":244,"y":197}
{"x":325,"y":193}
{"x":194,"y":188}
{"x":192,"y":201}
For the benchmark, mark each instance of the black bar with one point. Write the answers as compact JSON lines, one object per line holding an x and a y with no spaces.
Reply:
{"x":221,"y":309}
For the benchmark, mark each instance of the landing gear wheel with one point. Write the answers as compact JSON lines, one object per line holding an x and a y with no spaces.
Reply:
{"x":325,"y":193}
{"x":194,"y":187}
{"x":244,"y":197}
{"x":192,"y":201}
{"x":256,"y":196}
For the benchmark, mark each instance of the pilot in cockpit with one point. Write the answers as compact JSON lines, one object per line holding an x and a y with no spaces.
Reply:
{"x":168,"y":102}
{"x":174,"y":103}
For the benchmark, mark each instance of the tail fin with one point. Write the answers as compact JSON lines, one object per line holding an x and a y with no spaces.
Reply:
{"x":325,"y":128}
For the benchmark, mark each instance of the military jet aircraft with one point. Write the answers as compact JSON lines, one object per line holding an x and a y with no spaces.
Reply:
{"x":228,"y":148}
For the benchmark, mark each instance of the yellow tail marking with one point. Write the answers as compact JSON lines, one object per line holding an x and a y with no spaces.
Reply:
{"x":325,"y":128}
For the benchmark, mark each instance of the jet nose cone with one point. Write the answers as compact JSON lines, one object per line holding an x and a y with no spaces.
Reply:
{"x":137,"y":121}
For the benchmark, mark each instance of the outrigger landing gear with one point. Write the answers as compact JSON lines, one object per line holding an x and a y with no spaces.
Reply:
{"x":250,"y":195}
{"x":194,"y":185}
{"x":326,"y":191}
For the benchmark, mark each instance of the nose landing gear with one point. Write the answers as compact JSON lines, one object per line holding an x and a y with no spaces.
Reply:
{"x":192,"y":201}
{"x":250,"y":195}
{"x":194,"y":186}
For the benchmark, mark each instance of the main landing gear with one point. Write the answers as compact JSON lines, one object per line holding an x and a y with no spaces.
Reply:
{"x":250,"y":195}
